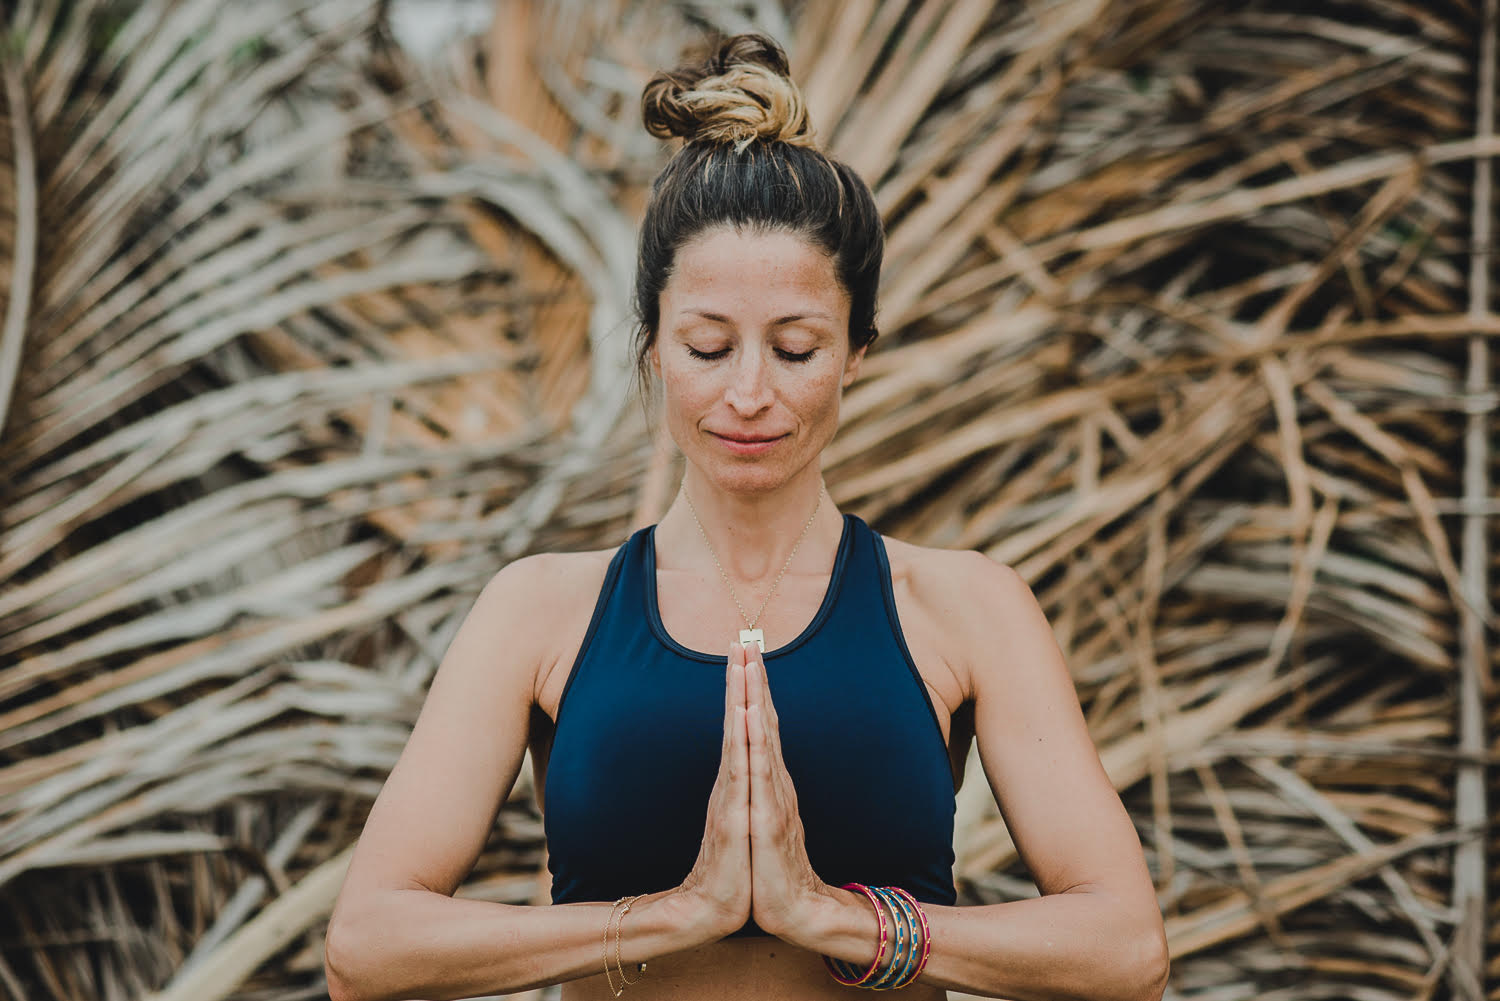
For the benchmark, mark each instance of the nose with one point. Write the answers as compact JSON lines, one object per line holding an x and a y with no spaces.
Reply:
{"x":749,"y":390}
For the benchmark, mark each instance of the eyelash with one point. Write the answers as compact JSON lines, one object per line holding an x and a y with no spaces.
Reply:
{"x":785,"y":355}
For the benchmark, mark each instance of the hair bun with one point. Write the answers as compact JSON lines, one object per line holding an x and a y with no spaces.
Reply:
{"x":742,"y":92}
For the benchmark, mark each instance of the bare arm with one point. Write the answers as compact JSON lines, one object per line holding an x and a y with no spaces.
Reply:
{"x":417,"y":943}
{"x":1096,"y":931}
{"x":397,"y":931}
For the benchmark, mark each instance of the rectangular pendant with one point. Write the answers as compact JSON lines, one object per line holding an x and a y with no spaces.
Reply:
{"x":756,"y":636}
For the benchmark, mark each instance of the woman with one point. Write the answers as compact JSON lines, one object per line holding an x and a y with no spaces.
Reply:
{"x":781,"y":824}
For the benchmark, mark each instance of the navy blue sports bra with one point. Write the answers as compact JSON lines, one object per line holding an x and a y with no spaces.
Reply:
{"x":640,"y":725}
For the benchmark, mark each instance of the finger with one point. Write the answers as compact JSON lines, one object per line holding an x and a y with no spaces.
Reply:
{"x":738,"y":752}
{"x":739,"y":680}
{"x":773,"y":767}
{"x":768,"y":707}
{"x":742,"y":756}
{"x":741,"y":659}
{"x":768,"y":799}
{"x":770,"y":764}
{"x":772,"y":719}
{"x":741,"y":738}
{"x":763,"y":681}
{"x":754,"y":685}
{"x":759,"y":692}
{"x":730,"y":688}
{"x":763,"y":798}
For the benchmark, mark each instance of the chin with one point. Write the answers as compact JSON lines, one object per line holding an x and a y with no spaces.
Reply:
{"x":748,"y":478}
{"x":753,"y":474}
{"x":747,"y":475}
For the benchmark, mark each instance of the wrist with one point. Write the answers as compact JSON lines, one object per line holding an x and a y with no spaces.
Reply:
{"x":697,"y":916}
{"x":837,"y":922}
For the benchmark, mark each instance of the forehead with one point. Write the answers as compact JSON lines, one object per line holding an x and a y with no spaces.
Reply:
{"x":752,"y":268}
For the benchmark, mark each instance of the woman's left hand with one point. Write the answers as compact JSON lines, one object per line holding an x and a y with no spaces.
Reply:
{"x":784,"y":887}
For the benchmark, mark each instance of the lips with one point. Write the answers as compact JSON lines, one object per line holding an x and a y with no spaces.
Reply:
{"x":746,"y":445}
{"x":745,"y":439}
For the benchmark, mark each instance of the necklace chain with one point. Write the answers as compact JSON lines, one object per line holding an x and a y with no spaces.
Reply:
{"x":729,"y":583}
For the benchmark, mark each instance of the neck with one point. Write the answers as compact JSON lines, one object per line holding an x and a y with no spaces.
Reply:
{"x":753,"y":534}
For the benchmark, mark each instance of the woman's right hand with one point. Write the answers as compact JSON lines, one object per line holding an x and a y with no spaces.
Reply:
{"x":719,"y":883}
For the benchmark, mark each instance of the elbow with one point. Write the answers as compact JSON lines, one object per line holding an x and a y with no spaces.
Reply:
{"x":339,"y":988}
{"x":1151,"y":964}
{"x":342,"y":965}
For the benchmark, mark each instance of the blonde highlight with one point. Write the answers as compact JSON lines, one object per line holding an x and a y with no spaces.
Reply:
{"x":741,"y":93}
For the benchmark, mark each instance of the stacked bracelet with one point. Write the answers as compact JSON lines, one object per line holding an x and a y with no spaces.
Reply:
{"x":841,"y":970}
{"x":901,"y":930}
{"x":905,"y":929}
{"x":909,"y":952}
{"x":926,"y":935}
{"x":640,"y":967}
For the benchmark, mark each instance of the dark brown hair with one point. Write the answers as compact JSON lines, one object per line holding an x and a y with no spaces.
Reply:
{"x":750,"y":161}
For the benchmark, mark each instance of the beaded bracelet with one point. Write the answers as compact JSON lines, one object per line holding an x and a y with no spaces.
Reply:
{"x":840,"y":970}
{"x":921,"y":915}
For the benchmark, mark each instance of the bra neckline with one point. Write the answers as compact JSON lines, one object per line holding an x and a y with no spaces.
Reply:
{"x":830,"y":598}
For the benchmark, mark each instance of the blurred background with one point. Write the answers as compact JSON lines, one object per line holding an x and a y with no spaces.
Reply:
{"x":315,"y":314}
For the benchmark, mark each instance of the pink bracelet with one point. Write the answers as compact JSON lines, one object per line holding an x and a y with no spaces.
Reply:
{"x":903,"y":956}
{"x":837,"y":968}
{"x":926,"y":939}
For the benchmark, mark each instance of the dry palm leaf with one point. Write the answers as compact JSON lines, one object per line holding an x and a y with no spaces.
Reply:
{"x":1187,"y":316}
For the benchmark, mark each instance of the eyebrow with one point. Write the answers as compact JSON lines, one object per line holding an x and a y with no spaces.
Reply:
{"x":793,"y":318}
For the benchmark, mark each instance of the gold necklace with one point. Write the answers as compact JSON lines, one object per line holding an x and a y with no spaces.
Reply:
{"x":752,"y":635}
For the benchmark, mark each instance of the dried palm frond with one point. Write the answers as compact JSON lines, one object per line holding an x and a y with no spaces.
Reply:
{"x":1186,"y":316}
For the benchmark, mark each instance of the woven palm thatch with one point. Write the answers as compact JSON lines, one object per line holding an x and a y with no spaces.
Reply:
{"x":1186,"y":316}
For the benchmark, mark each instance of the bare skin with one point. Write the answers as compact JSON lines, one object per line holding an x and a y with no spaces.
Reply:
{"x":753,"y":357}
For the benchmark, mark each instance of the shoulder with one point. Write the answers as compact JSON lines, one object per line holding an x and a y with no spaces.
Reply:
{"x":536,"y":604}
{"x":544,"y":584}
{"x":973,"y":597}
{"x":542,"y":577}
{"x":949,"y":580}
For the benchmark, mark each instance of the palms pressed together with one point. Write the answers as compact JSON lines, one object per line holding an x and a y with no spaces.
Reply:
{"x":753,"y":862}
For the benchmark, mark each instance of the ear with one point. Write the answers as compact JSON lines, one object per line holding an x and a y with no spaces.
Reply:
{"x":851,"y":367}
{"x":655,"y":357}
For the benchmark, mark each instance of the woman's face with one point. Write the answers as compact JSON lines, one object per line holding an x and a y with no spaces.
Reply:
{"x":753,"y":354}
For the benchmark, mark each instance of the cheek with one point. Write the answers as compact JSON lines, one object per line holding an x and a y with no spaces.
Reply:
{"x":819,"y":396}
{"x":686,"y":395}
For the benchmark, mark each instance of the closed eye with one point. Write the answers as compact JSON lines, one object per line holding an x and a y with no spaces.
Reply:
{"x":792,"y":356}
